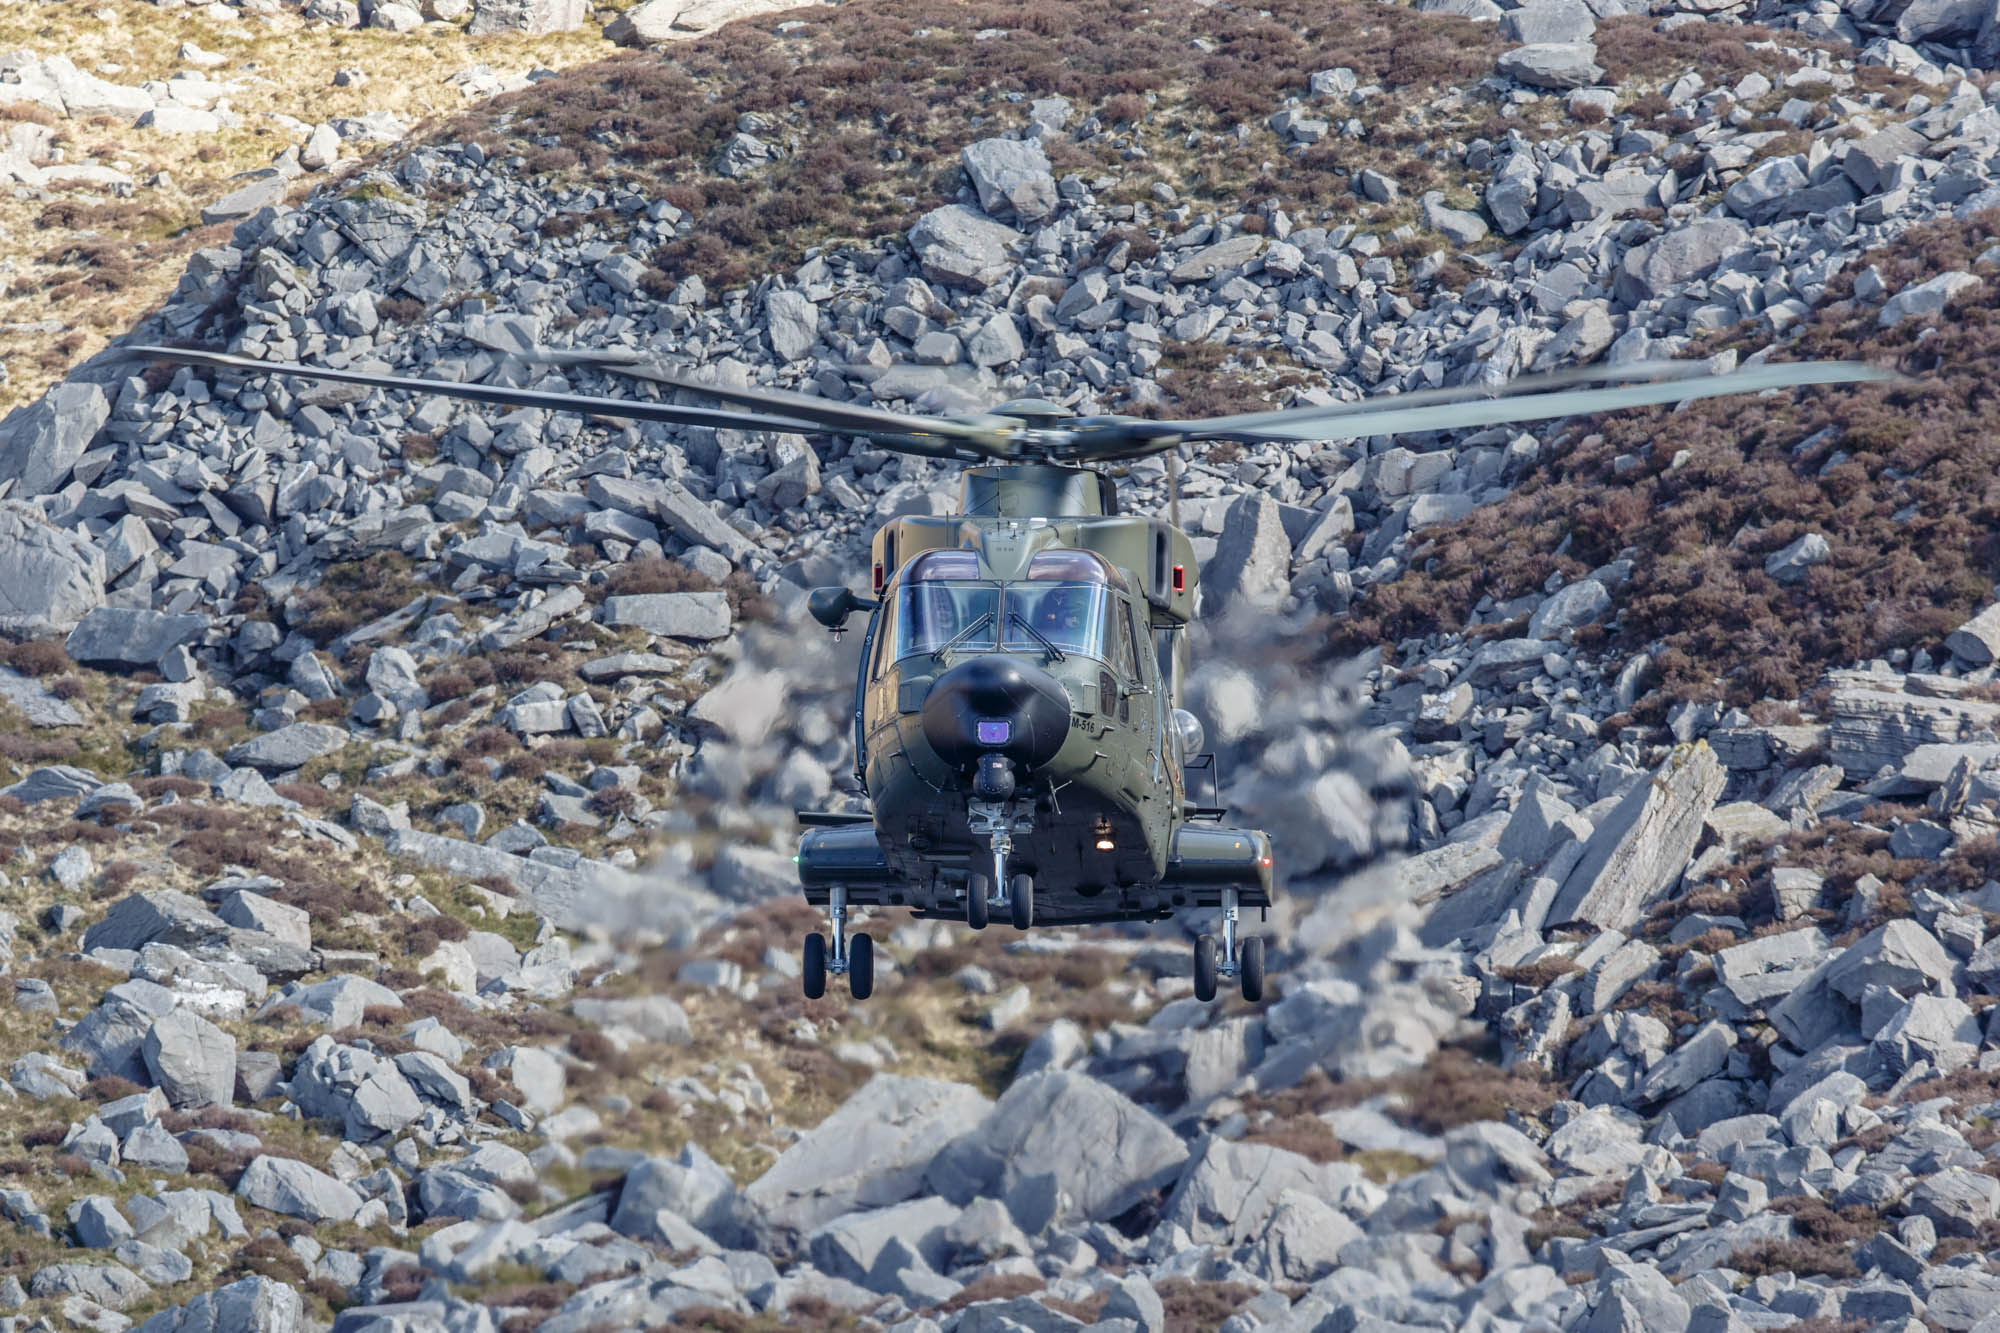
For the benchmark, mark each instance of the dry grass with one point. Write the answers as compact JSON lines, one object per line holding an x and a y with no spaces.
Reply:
{"x":103,"y":261}
{"x":1911,"y":512}
{"x":852,"y":82}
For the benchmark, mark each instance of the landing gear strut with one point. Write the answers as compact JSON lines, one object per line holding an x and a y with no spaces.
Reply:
{"x":1241,"y":961}
{"x":855,"y":958}
{"x":994,"y":821}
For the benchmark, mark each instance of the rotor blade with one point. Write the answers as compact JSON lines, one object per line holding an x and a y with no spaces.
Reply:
{"x":1306,"y":423}
{"x":486,"y":393}
{"x":843,"y":417}
{"x":1644,"y":371}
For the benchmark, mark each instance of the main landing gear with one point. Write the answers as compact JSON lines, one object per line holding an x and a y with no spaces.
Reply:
{"x":980,"y":900}
{"x":1242,"y":962}
{"x":855,"y":957}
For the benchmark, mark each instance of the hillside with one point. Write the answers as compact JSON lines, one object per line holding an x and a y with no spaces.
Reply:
{"x":401,"y":915}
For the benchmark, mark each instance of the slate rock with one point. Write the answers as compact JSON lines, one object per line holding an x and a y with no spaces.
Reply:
{"x":52,"y":578}
{"x":1639,"y":850}
{"x":1069,"y":1134}
{"x":288,"y":747}
{"x":191,"y":1060}
{"x":156,"y":916}
{"x":43,"y":443}
{"x":1226,"y":1191}
{"x":1011,"y":176}
{"x":249,"y":1305}
{"x":282,"y":1185}
{"x":119,"y":636}
{"x":1661,"y":266}
{"x":691,"y":1187}
{"x":871,"y":1152}
{"x":959,"y":247}
{"x":1552,"y":65}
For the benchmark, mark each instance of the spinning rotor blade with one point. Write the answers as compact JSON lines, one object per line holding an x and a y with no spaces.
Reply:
{"x":843,"y":418}
{"x":1400,"y":417}
{"x":914,"y":435}
{"x":486,"y":393}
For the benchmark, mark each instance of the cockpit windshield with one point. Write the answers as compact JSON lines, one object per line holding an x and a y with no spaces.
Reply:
{"x":930,"y":616}
{"x":1064,"y":607}
{"x":1071,"y":616}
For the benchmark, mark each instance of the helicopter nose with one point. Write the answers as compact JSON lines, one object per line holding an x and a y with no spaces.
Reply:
{"x":996,"y":705}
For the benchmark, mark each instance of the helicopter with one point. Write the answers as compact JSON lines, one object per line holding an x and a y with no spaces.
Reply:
{"x":1018,"y":723}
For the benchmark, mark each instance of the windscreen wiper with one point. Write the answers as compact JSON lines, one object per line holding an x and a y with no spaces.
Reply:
{"x":938,"y":652}
{"x":1055,"y":654}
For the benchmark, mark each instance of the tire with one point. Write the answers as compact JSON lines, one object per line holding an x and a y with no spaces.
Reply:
{"x":1021,"y":890}
{"x":813,"y":973}
{"x":978,"y":901}
{"x":1252,"y":974}
{"x":861,"y":967}
{"x":1205,"y":964}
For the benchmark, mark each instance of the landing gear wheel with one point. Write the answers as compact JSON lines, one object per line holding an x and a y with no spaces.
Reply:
{"x":1251,"y":969}
{"x":861,"y":967}
{"x":1206,"y":963}
{"x":1021,"y":901}
{"x":978,"y":901}
{"x":813,"y":973}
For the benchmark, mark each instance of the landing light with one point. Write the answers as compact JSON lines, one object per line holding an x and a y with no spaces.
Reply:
{"x":1106,"y":845}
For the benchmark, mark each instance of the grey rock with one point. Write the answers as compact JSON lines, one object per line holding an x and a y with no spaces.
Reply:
{"x":335,"y":1004}
{"x":191,"y":1060}
{"x":1011,"y":176}
{"x":872,"y":1152}
{"x":282,"y":1185}
{"x":1226,"y":1191}
{"x":683,"y":615}
{"x":116,"y":636}
{"x":690,"y":1187}
{"x":1552,"y":65}
{"x":1925,"y":299}
{"x":110,"y":1285}
{"x":1581,"y":603}
{"x":536,"y":17}
{"x":852,"y":1246}
{"x":1079,"y":1142}
{"x":791,"y":321}
{"x":44,"y":442}
{"x":50,"y":579}
{"x":1561,"y":21}
{"x":1659,"y":267}
{"x":1253,"y":560}
{"x":1790,"y":565}
{"x":1639,"y":850}
{"x":157,"y":916}
{"x":288,"y":747}
{"x":1978,"y":640}
{"x":249,"y":1305}
{"x":958,"y":247}
{"x":1957,"y":1200}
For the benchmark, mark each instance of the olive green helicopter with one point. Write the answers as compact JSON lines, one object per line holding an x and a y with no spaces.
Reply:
{"x":1018,"y":720}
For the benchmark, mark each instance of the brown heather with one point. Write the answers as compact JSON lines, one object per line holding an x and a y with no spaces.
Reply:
{"x":1912,"y":512}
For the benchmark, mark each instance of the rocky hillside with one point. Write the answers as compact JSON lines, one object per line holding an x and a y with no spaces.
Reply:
{"x":399,"y":909}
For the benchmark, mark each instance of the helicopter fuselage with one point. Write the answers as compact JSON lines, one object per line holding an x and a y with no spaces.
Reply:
{"x":1020,"y":677}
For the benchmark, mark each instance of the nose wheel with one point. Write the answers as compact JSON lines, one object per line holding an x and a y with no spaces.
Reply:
{"x":1240,"y":961}
{"x":854,"y":958}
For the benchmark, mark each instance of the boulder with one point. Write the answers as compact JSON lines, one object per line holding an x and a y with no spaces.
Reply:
{"x":1226,"y":1192}
{"x":288,"y":747}
{"x":1555,"y":66}
{"x":699,"y":616}
{"x":1925,"y":299}
{"x":157,"y":916}
{"x":249,"y":1305}
{"x":191,"y":1060}
{"x":1638,"y":851}
{"x":120,"y":636}
{"x":1012,"y":177}
{"x":535,"y":17}
{"x":871,"y":1152}
{"x":50,"y":579}
{"x":43,"y":442}
{"x":1544,"y":21}
{"x":1660,"y":267}
{"x":691,"y":1187}
{"x":1065,"y":1145}
{"x":1253,"y":559}
{"x":1978,"y":640}
{"x":282,"y":1185}
{"x":959,"y":247}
